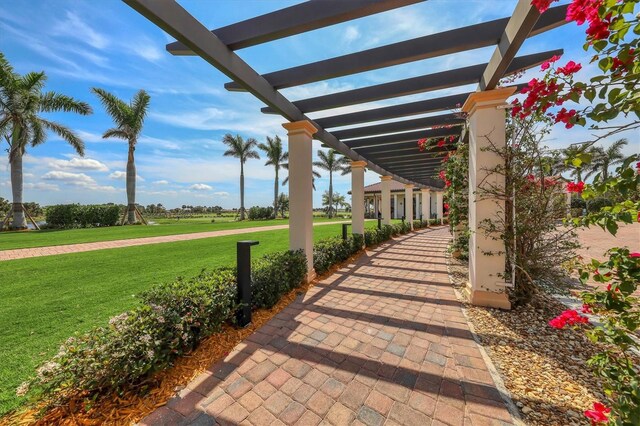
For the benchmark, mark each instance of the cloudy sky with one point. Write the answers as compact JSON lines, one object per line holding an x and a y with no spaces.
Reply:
{"x":84,"y":44}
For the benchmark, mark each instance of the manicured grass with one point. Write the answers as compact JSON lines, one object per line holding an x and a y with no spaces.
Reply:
{"x":45,"y":300}
{"x":28,"y":239}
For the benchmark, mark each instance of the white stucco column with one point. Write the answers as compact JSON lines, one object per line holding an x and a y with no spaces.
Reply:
{"x":395,"y":206}
{"x":301,"y":190}
{"x":385,"y":183}
{"x":408,"y":203}
{"x":439,"y":205}
{"x":426,"y":204}
{"x":487,"y":126}
{"x":357,"y":197}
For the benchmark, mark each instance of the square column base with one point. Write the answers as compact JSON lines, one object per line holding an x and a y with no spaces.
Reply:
{"x":488,"y":299}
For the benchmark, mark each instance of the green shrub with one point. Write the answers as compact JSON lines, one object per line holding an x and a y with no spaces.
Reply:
{"x":82,"y":216}
{"x":578,"y":203}
{"x":260,"y":213}
{"x":577,"y":212}
{"x":596,"y":204}
{"x":331,"y":251}
{"x":274,"y":275}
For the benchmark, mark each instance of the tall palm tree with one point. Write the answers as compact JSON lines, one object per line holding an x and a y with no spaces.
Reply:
{"x":21,"y":102}
{"x":331,"y":161}
{"x":239,"y":148}
{"x":603,"y":158}
{"x":314,"y":175}
{"x":573,"y":152}
{"x":129,"y":120}
{"x":276,"y":157}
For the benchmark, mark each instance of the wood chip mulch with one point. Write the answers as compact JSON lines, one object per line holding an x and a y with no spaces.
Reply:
{"x":544,"y":369}
{"x":134,"y":405}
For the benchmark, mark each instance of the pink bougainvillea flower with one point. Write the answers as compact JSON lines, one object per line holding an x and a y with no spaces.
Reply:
{"x":542,"y":5}
{"x":636,"y":254}
{"x":568,"y":317}
{"x":571,"y":68}
{"x":598,"y":414}
{"x":442,"y":174}
{"x":546,"y":64}
{"x":638,"y":167}
{"x":441,"y":143}
{"x":586,"y":309}
{"x":575,"y":187}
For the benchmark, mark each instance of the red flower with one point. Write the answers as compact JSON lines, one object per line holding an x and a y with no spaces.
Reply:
{"x":546,"y":64}
{"x":542,"y":5}
{"x":442,"y":175}
{"x":638,"y":167}
{"x":446,"y":206}
{"x":575,"y":187}
{"x":586,"y":309}
{"x":636,"y":255}
{"x":583,"y":10}
{"x":447,"y":183}
{"x":568,"y":317}
{"x":598,"y":414}
{"x":441,"y":143}
{"x":570,"y":68}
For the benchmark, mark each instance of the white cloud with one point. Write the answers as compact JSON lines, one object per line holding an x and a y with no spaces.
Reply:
{"x":74,"y":26}
{"x":221,"y":194}
{"x":79,"y":164}
{"x":200,"y":187}
{"x":351,"y":34}
{"x":42,"y":186}
{"x":70,"y":178}
{"x":147,"y":49}
{"x":121,"y":175}
{"x":161,"y":182}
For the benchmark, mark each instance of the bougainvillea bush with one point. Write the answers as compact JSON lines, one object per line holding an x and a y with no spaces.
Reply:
{"x":612,"y":29}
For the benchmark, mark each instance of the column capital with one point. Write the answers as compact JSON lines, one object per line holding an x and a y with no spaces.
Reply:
{"x":408,"y":186}
{"x":386,"y":178}
{"x":487,"y":99}
{"x":425,"y":190}
{"x":358,"y":164}
{"x":297,"y":127}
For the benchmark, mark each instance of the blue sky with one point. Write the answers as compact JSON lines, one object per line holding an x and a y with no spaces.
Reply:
{"x":84,"y":44}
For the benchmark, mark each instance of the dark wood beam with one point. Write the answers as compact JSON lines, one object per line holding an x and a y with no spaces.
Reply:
{"x":400,"y":126}
{"x":401,"y":137}
{"x":296,"y":19}
{"x":430,"y":46}
{"x":410,"y":86}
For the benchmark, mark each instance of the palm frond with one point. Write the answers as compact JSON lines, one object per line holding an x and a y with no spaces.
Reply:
{"x":65,"y":133}
{"x":54,"y":102}
{"x":115,"y":107}
{"x":33,"y":81}
{"x":139,"y":107}
{"x":116,"y":133}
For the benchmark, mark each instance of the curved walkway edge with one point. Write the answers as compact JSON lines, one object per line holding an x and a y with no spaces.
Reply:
{"x":102,"y":245}
{"x":382,"y":341}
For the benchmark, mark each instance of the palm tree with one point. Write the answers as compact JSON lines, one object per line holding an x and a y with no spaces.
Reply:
{"x":21,"y":102}
{"x":574,"y":163}
{"x":315,"y":175}
{"x":129,"y":120}
{"x":603,"y":158}
{"x":283,"y":204}
{"x":276,"y":157}
{"x":332,"y":161}
{"x":239,"y":148}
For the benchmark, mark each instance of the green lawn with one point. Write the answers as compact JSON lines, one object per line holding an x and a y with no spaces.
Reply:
{"x":15,"y":240}
{"x":47,"y":299}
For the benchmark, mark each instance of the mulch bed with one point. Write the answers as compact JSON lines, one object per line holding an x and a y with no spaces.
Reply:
{"x":544,"y":369}
{"x":134,"y":405}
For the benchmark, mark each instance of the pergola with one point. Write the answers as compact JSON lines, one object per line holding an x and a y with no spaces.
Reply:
{"x":389,"y":148}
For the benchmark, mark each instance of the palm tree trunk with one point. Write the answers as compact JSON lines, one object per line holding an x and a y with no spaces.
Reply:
{"x":131,"y":187}
{"x":330,"y":193}
{"x":241,"y":190}
{"x":19,"y":220}
{"x":275,"y":195}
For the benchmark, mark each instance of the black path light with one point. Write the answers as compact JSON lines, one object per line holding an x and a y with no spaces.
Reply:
{"x":244,"y":281}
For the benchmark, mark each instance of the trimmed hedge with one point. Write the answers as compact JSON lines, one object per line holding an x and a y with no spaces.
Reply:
{"x":596,"y":204}
{"x":82,"y":216}
{"x":331,"y":251}
{"x":170,"y":321}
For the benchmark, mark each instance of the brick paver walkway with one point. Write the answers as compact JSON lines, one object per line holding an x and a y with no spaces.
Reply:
{"x":102,"y":245}
{"x":383,"y":341}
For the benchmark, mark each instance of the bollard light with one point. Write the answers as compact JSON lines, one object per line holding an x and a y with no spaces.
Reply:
{"x":344,"y":231}
{"x":243,"y":252}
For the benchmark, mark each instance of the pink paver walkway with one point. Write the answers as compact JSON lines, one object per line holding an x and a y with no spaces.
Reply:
{"x":101,"y":245}
{"x":382,"y":341}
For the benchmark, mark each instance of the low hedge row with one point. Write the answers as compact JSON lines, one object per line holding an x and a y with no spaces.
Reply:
{"x":174,"y":317}
{"x":260,"y":213}
{"x":82,"y":216}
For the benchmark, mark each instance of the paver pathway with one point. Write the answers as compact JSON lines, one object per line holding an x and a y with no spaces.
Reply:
{"x":383,"y":341}
{"x":101,"y":245}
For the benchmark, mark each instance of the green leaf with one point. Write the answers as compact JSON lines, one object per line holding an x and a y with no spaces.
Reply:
{"x":599,"y":45}
{"x":605,"y":63}
{"x":590,"y":94}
